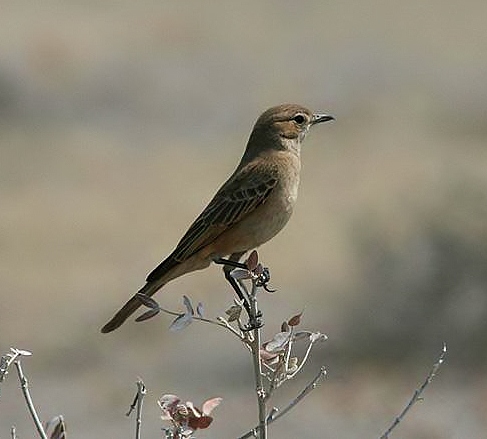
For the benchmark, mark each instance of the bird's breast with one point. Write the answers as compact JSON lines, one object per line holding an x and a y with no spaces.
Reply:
{"x":287,"y":189}
{"x":268,"y":219}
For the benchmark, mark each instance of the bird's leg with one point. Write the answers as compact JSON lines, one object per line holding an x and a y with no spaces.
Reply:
{"x":230,"y":263}
{"x":239,"y":288}
{"x":243,"y":294}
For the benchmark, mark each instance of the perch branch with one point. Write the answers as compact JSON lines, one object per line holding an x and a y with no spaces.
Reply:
{"x":417,"y":393}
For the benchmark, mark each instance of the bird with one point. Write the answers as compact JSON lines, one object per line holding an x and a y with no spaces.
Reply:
{"x":249,"y":209}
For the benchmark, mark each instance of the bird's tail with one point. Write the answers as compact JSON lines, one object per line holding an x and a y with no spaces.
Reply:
{"x":131,"y":306}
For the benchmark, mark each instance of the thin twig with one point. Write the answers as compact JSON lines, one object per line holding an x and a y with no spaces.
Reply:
{"x":303,"y":361}
{"x":288,"y":350}
{"x":7,"y":360}
{"x":417,"y":393}
{"x":30,"y":405}
{"x":225,"y":324}
{"x":311,"y":386}
{"x":219,"y":322}
{"x":137,"y":404}
{"x":141,"y":391}
{"x":275,"y":415}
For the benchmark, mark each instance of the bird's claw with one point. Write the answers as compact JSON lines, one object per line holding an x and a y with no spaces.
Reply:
{"x":264,"y":279}
{"x":254,"y":324}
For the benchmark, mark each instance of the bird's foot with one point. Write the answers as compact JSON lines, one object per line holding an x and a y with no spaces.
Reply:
{"x":255,"y":322}
{"x":264,"y":279}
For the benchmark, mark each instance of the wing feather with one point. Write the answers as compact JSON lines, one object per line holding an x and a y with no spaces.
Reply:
{"x":247,"y":189}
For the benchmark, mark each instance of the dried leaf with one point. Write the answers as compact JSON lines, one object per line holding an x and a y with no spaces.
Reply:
{"x":233,"y":312}
{"x":317,"y":336}
{"x":210,"y":404}
{"x":24,"y":353}
{"x":278,"y":342}
{"x":259,"y":269}
{"x":201,"y":422}
{"x":56,"y":428}
{"x":195,"y":412}
{"x":268,"y":357}
{"x":21,"y":352}
{"x":302,"y":335}
{"x":167,"y":403}
{"x":252,"y":260}
{"x":148,"y":314}
{"x":181,"y":321}
{"x":295,"y":320}
{"x":147,"y":301}
{"x":241,"y":273}
{"x":188,"y":305}
{"x":168,"y":399}
{"x":199,"y":309}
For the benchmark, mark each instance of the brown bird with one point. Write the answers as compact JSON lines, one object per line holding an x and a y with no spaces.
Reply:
{"x":251,"y":207}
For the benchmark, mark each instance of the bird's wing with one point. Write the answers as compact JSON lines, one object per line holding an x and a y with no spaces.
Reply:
{"x":240,"y":195}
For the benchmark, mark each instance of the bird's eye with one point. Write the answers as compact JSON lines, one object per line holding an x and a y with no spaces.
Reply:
{"x":299,"y":119}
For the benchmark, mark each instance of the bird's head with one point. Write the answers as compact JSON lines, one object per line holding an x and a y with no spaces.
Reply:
{"x":284,"y":127}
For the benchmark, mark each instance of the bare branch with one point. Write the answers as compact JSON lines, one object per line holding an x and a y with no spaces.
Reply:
{"x":311,"y":386}
{"x":137,"y":404}
{"x":30,"y":405}
{"x":418,"y":392}
{"x":312,"y":341}
{"x":7,"y":360}
{"x":275,"y":414}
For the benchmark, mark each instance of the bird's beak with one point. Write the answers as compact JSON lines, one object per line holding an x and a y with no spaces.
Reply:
{"x":318,"y":118}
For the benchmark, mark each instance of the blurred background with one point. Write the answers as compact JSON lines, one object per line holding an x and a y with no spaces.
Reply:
{"x":109,"y":113}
